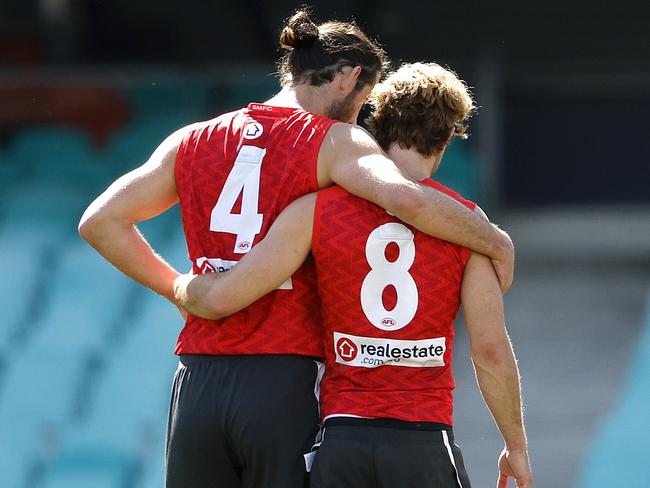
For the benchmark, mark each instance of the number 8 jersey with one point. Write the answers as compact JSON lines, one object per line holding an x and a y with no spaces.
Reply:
{"x":234,"y":175}
{"x":389,"y":296}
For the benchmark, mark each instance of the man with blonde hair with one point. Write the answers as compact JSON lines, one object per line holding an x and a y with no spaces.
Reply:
{"x":389,"y":297}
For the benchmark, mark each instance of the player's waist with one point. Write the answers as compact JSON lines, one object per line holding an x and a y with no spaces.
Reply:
{"x":189,"y":359}
{"x":386,"y":423}
{"x":240,"y":337}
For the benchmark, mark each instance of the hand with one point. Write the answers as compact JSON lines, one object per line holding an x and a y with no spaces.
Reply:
{"x":514,"y":464}
{"x":180,"y":287}
{"x":504,"y":264}
{"x":180,"y":292}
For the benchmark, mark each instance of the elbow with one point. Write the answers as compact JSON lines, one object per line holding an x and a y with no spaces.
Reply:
{"x":491,"y":354}
{"x":98,"y":225}
{"x":89,"y":227}
{"x":211,"y":304}
{"x":216,"y":311}
{"x":407,"y":205}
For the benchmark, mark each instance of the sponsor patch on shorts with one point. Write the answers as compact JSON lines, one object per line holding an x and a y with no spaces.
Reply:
{"x":372,"y":352}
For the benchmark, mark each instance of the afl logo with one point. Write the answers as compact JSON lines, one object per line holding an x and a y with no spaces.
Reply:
{"x":244,"y":245}
{"x":388,"y":322}
{"x":253,"y":130}
{"x":346,"y":349}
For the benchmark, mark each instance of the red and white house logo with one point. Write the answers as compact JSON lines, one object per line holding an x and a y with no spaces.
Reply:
{"x":373,"y":352}
{"x":347,"y":349}
{"x":253,"y":130}
{"x":206,"y":267}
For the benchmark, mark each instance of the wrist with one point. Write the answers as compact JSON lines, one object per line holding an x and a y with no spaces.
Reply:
{"x":504,"y":249}
{"x":517,"y":446}
{"x":168,"y":290}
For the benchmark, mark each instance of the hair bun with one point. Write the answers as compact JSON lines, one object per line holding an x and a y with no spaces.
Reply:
{"x":299,"y":31}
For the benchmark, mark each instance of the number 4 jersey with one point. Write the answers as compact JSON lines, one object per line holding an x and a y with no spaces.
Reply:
{"x":389,"y":296}
{"x":234,"y":175}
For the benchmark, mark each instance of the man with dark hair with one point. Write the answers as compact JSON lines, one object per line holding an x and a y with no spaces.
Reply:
{"x":389,"y":296}
{"x":243,"y":408}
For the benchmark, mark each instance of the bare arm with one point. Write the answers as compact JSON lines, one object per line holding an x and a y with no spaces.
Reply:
{"x":351,"y":158}
{"x":495,"y":365}
{"x":109,"y":223}
{"x":269,"y":264}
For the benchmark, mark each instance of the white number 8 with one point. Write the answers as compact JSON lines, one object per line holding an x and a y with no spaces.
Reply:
{"x":384,"y":273}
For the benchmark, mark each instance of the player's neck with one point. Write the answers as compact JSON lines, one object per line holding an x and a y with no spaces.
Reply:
{"x":301,"y":96}
{"x":413,"y":163}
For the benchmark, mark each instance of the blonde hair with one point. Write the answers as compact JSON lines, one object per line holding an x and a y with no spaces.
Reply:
{"x":418,"y":106}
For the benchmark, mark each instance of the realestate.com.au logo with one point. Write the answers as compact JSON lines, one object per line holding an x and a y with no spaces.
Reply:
{"x":372,"y":352}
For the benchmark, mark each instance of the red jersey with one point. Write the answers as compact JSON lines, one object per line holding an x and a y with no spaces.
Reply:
{"x":389,"y":296}
{"x":234,"y":175}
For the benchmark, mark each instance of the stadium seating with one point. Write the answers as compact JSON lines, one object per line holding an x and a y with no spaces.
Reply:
{"x":22,"y":257}
{"x":86,"y":297}
{"x":86,"y":355}
{"x":90,"y":469}
{"x":35,"y":402}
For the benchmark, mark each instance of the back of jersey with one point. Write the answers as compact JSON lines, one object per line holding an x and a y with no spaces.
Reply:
{"x":389,"y":295}
{"x":234,"y":175}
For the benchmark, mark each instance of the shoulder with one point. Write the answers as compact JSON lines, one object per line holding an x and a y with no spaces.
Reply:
{"x":349,"y":132}
{"x":452,"y":193}
{"x":192,"y":134}
{"x":343,"y":142}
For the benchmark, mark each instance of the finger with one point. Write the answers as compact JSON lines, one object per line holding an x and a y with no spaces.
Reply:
{"x":523,"y":482}
{"x":504,"y":275}
{"x":505,"y":278}
{"x":503,"y":481}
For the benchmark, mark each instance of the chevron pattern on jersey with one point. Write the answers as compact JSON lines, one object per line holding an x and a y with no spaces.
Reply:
{"x":285,"y":321}
{"x":343,"y":224}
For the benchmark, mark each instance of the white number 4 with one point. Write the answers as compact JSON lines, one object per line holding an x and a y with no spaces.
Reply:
{"x":244,"y":177}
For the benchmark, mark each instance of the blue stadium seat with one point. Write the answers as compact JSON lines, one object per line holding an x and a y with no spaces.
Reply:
{"x":89,"y":469}
{"x":153,"y":469}
{"x":81,"y":479}
{"x":130,"y":406}
{"x":39,"y":372}
{"x":58,"y":154}
{"x":22,"y":264}
{"x":14,"y":459}
{"x":50,"y":207}
{"x":34,"y":405}
{"x":87,"y":297}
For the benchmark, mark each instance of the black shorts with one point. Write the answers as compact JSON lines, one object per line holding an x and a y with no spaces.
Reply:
{"x":241,"y":421}
{"x":366,"y":455}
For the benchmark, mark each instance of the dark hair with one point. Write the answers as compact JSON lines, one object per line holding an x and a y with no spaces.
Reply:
{"x":316,"y":53}
{"x":418,"y":106}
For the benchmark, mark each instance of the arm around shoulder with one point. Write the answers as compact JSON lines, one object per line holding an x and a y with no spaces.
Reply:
{"x":351,"y":158}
